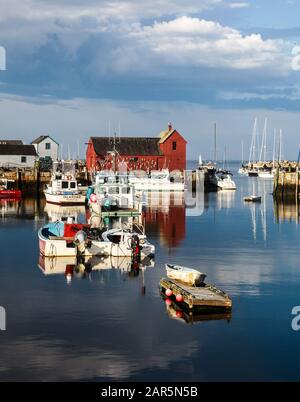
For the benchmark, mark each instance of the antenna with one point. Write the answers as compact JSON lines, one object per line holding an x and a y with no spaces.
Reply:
{"x":119,"y":131}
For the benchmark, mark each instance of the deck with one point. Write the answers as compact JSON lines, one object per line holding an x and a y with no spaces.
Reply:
{"x":206,"y":297}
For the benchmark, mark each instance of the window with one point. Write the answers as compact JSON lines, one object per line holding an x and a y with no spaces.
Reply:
{"x":73,"y":184}
{"x":23,"y":159}
{"x":174,"y":145}
{"x":64,"y":184}
{"x":48,"y":145}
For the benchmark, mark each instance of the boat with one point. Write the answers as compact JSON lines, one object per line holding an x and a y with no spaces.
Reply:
{"x":157,"y":180}
{"x":7,"y":190}
{"x":63,"y":188}
{"x":222,"y":180}
{"x":186,"y":275}
{"x":114,"y":192}
{"x":61,"y":239}
{"x":266,"y":174}
{"x":252,"y":198}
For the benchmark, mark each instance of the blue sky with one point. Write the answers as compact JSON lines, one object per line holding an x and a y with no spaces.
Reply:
{"x":74,"y":65}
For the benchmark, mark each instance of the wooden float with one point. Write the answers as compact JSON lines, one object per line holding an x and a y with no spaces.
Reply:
{"x":206,"y":297}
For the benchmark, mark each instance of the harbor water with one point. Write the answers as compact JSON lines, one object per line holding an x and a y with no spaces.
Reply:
{"x":110,"y":323}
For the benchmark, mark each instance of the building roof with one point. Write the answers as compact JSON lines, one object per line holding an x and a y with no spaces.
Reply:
{"x":128,"y":146}
{"x":164,"y":135}
{"x":41,"y":138}
{"x":12,"y":142}
{"x":11,"y":149}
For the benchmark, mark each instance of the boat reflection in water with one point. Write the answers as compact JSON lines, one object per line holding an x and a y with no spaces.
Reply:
{"x":83,"y":268}
{"x":175,"y":312}
{"x":62,"y":213}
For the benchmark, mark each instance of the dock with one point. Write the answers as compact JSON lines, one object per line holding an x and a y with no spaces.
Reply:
{"x":206,"y":297}
{"x":120,"y":212}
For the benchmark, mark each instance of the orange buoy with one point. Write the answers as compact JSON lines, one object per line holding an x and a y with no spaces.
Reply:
{"x":168,"y":302}
{"x":179,"y":298}
{"x":169,"y":292}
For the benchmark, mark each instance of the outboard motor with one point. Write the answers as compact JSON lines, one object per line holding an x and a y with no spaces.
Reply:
{"x":136,"y":248}
{"x":80,"y":241}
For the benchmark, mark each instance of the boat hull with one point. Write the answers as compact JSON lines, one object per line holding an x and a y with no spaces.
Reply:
{"x":62,"y":248}
{"x":65,"y":199}
{"x":12,"y":194}
{"x":188,"y":276}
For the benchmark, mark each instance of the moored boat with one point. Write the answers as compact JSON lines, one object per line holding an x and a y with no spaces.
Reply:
{"x":63,"y":188}
{"x":7,"y":190}
{"x":252,"y":198}
{"x":60,"y":239}
{"x":186,"y":275}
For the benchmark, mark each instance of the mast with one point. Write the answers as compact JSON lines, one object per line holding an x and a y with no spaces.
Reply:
{"x":215,"y":143}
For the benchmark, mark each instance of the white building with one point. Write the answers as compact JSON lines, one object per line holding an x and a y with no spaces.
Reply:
{"x":46,"y":146}
{"x":12,"y":155}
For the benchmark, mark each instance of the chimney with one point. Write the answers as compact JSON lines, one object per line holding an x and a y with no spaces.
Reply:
{"x":170,"y":126}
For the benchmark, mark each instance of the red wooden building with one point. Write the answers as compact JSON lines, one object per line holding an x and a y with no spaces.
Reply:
{"x":138,"y":153}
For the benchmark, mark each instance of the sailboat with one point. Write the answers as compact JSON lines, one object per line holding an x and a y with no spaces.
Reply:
{"x":265,"y":173}
{"x":253,"y":197}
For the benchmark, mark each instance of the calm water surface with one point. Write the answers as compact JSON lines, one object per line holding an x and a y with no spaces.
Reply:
{"x":110,"y":324}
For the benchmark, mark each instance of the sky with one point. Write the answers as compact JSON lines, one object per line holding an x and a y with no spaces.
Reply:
{"x":74,"y":68}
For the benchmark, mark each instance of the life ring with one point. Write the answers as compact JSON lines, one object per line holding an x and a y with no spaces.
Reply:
{"x":69,"y":177}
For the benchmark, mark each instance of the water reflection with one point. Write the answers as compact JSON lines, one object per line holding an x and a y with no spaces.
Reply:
{"x":286,"y":211}
{"x":27,"y":208}
{"x":175,"y":312}
{"x":61,"y":213}
{"x":86,"y":268}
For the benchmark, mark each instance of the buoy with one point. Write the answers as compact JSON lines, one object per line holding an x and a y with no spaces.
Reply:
{"x":93,"y":198}
{"x":179,"y":314}
{"x":169,"y":292}
{"x":168,"y":302}
{"x":179,"y":298}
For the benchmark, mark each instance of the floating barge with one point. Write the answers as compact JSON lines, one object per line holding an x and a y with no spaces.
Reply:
{"x":200,"y":298}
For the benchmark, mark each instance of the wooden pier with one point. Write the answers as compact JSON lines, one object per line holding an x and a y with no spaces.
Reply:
{"x":206,"y":297}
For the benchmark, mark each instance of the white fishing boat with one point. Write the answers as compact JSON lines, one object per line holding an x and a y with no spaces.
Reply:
{"x":60,"y":239}
{"x":157,"y":180}
{"x":114,"y":191}
{"x":186,"y":275}
{"x":63,"y":188}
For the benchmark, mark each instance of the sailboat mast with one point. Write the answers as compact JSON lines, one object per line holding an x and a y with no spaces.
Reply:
{"x":215,"y":143}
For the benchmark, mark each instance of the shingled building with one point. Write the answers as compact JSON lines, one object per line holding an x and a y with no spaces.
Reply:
{"x":168,"y":150}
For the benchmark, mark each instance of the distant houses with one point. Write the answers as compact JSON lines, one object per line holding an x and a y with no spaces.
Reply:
{"x":16,"y":154}
{"x":46,"y":147}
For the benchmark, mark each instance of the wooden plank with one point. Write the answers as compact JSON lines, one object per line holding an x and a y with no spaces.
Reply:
{"x":194,"y":297}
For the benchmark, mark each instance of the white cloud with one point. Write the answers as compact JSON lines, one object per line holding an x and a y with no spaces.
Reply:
{"x":197,"y":42}
{"x":238,"y":5}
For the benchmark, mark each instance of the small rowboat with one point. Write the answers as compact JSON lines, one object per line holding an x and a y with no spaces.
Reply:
{"x":253,"y":198}
{"x":186,"y":275}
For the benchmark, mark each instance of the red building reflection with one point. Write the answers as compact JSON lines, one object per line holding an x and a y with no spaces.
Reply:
{"x":165,"y":218}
